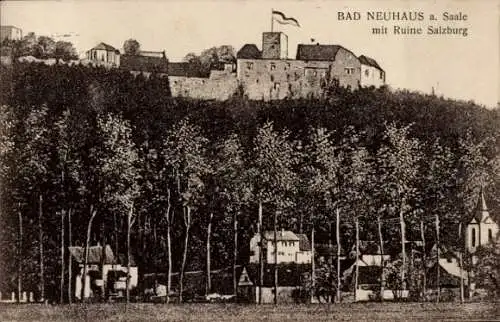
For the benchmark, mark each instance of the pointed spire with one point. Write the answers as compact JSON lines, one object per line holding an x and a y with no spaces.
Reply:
{"x":481,"y":212}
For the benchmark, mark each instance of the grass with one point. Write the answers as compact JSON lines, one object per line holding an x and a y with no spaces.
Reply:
{"x":235,"y":312}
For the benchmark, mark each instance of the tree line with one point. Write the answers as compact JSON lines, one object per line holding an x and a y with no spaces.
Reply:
{"x":92,"y":155}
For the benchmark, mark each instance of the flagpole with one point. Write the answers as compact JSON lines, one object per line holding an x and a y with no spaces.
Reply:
{"x":272,"y":19}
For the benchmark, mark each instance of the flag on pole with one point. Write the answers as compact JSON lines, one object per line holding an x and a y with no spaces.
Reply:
{"x":281,"y":18}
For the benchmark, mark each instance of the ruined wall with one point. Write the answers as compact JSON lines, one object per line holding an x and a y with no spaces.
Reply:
{"x":220,"y":85}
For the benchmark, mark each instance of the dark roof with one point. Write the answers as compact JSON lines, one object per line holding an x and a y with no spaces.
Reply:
{"x":103,"y":46}
{"x":280,"y":235}
{"x":95,"y":254}
{"x":317,"y":52}
{"x":249,"y":51}
{"x":369,"y":61}
{"x":144,"y":63}
{"x":304,"y":244}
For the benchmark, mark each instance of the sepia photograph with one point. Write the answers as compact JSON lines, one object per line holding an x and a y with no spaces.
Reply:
{"x":249,"y":160}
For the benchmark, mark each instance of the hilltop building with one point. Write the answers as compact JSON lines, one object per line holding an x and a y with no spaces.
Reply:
{"x":104,"y":55}
{"x":10,"y":33}
{"x":270,"y":74}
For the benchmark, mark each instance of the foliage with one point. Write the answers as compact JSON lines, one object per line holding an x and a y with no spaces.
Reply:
{"x":131,"y":47}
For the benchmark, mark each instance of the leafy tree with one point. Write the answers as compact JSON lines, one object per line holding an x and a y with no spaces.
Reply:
{"x":185,"y":154}
{"x":398,"y":161}
{"x":487,"y":268}
{"x":131,"y":47}
{"x":65,"y":50}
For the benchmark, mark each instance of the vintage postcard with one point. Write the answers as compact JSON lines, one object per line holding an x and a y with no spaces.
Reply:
{"x":250,"y":160}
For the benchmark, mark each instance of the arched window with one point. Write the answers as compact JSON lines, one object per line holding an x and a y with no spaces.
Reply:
{"x":473,"y":239}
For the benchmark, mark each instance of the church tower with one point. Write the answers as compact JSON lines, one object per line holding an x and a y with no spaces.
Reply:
{"x":481,"y":229}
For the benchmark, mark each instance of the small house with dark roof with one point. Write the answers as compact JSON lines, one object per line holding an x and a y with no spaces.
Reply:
{"x":371,"y":72}
{"x":104,"y":272}
{"x":145,"y":64}
{"x":481,"y":228}
{"x":104,"y":54}
{"x":291,"y":248}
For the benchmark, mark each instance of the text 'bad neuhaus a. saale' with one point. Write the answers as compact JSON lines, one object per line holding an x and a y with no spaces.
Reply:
{"x":410,"y":22}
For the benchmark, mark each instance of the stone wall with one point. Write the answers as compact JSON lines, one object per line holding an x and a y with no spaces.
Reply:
{"x":371,"y":76}
{"x":219,"y":86}
{"x":346,"y":69}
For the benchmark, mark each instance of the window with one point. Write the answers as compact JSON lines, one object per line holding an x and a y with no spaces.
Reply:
{"x":257,"y":81}
{"x":349,"y":70}
{"x":315,"y":73}
{"x":281,"y":253}
{"x":272,"y":78}
{"x":249,"y":65}
{"x":382,"y":75}
{"x":276,"y":85}
{"x":490,"y":235}
{"x":284,"y":243}
{"x":473,"y":237}
{"x":273,"y":66}
{"x":367,"y":72}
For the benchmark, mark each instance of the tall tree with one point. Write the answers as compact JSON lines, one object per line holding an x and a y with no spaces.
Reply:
{"x":185,"y":153}
{"x":131,"y":47}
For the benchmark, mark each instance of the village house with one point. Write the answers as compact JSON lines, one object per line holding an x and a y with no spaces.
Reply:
{"x":291,"y":248}
{"x":481,"y":229}
{"x":104,"y":271}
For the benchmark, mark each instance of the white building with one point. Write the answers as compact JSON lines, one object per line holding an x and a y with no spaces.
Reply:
{"x":10,"y":33}
{"x":481,"y":229}
{"x":291,"y":247}
{"x":371,"y":72}
{"x":104,"y":54}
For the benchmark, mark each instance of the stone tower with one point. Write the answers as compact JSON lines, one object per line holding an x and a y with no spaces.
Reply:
{"x":274,"y":45}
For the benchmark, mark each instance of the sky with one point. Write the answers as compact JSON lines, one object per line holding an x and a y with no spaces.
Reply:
{"x":466,"y":68}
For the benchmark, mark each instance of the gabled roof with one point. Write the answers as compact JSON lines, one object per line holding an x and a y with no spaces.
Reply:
{"x":304,"y":244}
{"x":104,"y":46}
{"x":317,"y":52}
{"x":365,"y":60}
{"x":95,"y":255}
{"x":281,"y":235}
{"x":249,"y":51}
{"x":144,"y":63}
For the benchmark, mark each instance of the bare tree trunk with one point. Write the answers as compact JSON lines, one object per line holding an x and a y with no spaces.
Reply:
{"x":424,"y":260}
{"x":438,"y":277}
{"x":337,"y":224}
{"x":20,"y":256}
{"x":261,"y":254}
{"x":61,"y":291}
{"x":357,"y":258}
{"x":129,"y":224}
{"x":382,"y":264}
{"x":169,"y":247}
{"x":70,"y":260}
{"x":187,"y":221}
{"x":103,"y":261}
{"x":461,"y":264}
{"x":313,"y":275}
{"x":93,"y":213}
{"x":235,"y":253}
{"x":275,"y":237}
{"x":403,"y":247}
{"x":209,"y":277}
{"x":40,"y":248}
